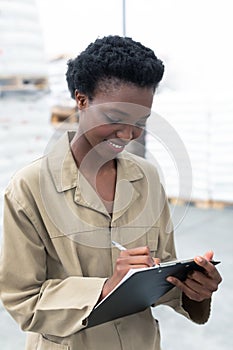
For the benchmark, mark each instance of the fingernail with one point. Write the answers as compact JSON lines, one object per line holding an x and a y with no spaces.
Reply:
{"x":199,"y":259}
{"x":169,"y":279}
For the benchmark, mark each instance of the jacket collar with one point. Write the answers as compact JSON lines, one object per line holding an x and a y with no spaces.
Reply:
{"x":66,"y":176}
{"x":61,"y":164}
{"x":65,"y":173}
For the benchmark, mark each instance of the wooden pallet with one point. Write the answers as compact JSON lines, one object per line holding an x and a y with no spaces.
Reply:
{"x":59,"y":114}
{"x":203,"y":204}
{"x":23,"y":83}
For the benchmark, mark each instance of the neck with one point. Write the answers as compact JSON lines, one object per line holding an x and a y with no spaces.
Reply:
{"x":88,"y":160}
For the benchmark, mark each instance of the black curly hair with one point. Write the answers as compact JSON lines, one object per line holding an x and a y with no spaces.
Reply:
{"x":113,"y":59}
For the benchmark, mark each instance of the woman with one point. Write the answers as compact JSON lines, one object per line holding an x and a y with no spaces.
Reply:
{"x":63,"y":211}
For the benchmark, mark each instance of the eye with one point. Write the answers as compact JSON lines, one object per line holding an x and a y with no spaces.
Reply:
{"x":111,"y":119}
{"x":140,"y":124}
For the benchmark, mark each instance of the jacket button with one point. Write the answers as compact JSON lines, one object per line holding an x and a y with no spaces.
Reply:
{"x":85,"y":322}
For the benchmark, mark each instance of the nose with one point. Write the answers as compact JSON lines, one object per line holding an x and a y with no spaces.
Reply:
{"x":125,"y":132}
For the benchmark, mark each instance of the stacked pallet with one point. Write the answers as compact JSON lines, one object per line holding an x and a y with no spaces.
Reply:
{"x":221,"y":155}
{"x":63,"y":107}
{"x":23,"y":82}
{"x":194,"y":155}
{"x":60,"y":114}
{"x":22,"y":59}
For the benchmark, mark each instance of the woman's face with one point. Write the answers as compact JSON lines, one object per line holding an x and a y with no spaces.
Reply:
{"x":114,"y":118}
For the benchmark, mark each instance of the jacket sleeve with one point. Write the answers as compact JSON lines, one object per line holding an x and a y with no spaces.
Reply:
{"x":196,"y":311}
{"x":56,"y":307}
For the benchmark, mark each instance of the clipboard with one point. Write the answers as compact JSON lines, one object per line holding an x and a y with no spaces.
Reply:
{"x":139,"y":289}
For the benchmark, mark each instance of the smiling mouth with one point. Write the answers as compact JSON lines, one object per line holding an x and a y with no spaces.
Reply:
{"x":115,"y":145}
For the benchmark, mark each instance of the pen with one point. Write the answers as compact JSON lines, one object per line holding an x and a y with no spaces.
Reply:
{"x":118,"y":245}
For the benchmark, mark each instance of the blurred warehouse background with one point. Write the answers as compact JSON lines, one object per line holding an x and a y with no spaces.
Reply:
{"x":192,"y":38}
{"x":189,"y":135}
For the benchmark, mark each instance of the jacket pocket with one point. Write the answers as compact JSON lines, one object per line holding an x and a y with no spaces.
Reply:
{"x":137,"y":236}
{"x":152,"y":237}
{"x":147,"y":236}
{"x":45,"y":344}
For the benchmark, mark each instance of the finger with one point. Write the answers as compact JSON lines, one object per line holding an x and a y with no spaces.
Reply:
{"x":204,"y":280}
{"x":198,"y":288}
{"x":136,"y":251}
{"x":208,"y":266}
{"x":209,"y":255}
{"x":156,"y":261}
{"x":191,"y":293}
{"x":209,"y":269}
{"x":176,"y":282}
{"x":141,"y":260}
{"x":136,"y":260}
{"x":121,"y":270}
{"x":138,"y":266}
{"x":139,"y":251}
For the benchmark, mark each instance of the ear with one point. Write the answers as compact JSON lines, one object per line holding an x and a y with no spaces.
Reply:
{"x":81,"y":100}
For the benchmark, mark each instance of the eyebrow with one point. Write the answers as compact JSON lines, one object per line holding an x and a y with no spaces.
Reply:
{"x":125,"y":114}
{"x":121,"y":113}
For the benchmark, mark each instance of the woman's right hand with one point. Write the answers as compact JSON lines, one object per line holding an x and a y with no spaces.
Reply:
{"x":128,"y":259}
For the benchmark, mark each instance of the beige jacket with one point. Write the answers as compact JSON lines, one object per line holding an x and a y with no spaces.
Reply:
{"x":57,"y":252}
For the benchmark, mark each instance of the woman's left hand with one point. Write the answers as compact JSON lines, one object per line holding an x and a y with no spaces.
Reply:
{"x":199,"y":286}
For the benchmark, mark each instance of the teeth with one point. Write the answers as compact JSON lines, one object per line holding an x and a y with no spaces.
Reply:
{"x":114,"y":145}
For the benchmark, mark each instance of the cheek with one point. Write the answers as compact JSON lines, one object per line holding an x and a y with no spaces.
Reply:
{"x":90,"y":120}
{"x":137,"y":132}
{"x":102,"y":131}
